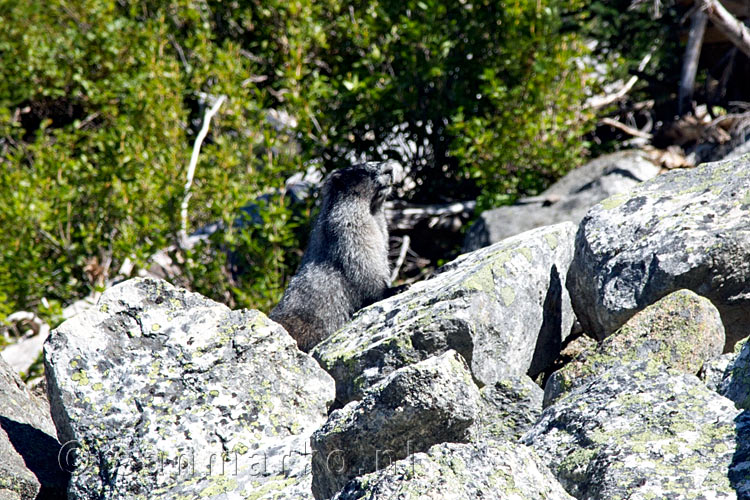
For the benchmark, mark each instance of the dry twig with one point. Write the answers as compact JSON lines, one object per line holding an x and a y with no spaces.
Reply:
{"x":193,"y":162}
{"x":628,"y":130}
{"x":401,"y":257}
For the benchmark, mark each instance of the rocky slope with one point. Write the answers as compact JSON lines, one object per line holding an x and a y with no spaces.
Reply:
{"x":453,"y":389}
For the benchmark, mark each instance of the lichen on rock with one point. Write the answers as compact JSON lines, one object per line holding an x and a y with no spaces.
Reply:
{"x":504,"y":308}
{"x":415,"y":407}
{"x":639,"y":430}
{"x":680,"y":331}
{"x":161,"y":387}
{"x":684,"y":229}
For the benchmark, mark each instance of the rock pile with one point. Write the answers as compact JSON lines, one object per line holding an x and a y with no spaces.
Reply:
{"x":452,"y":389}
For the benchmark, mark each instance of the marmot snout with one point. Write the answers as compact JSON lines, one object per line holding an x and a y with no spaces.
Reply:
{"x":345,"y":266}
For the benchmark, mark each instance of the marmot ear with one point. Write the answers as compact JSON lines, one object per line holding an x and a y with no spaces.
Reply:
{"x":332,"y":184}
{"x":333,"y":179}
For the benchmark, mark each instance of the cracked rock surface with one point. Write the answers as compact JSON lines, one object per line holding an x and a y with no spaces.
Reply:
{"x":500,"y":471}
{"x":684,"y":229}
{"x":162,"y":389}
{"x":415,"y":407}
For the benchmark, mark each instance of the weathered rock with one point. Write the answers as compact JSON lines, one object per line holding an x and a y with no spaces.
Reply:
{"x":504,"y":308}
{"x":165,"y":390}
{"x":26,"y":349}
{"x":713,"y":372}
{"x":680,"y":331}
{"x":29,"y":463}
{"x":508,"y":409}
{"x":641,"y":431}
{"x":414,"y":408}
{"x":501,"y":471}
{"x":567,"y":200}
{"x":739,"y":471}
{"x":684,"y":229}
{"x":729,"y":375}
{"x":24,"y":353}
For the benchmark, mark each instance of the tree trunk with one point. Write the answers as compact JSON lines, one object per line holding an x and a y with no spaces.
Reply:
{"x":698,"y":23}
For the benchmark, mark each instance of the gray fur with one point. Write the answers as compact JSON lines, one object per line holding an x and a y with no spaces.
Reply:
{"x":345,"y":266}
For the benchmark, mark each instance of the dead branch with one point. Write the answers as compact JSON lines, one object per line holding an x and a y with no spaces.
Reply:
{"x":404,"y":217}
{"x":628,"y":130}
{"x":401,"y":256}
{"x":36,"y":325}
{"x":193,"y":162}
{"x":598,"y":102}
{"x":733,"y":28}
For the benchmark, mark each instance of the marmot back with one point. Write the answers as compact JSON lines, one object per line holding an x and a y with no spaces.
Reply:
{"x":345,"y":266}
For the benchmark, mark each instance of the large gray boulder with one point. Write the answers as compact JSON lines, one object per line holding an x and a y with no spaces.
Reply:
{"x":29,"y":465}
{"x":684,"y":229}
{"x":567,"y":200}
{"x":681,"y":331}
{"x":427,"y":403}
{"x":167,"y":393}
{"x":504,"y":308}
{"x":639,"y":430}
{"x":500,"y":471}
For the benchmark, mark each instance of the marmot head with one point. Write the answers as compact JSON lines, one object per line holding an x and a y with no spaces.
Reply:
{"x":367,"y":181}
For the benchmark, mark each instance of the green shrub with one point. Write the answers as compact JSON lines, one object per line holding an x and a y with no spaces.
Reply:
{"x":97,"y":129}
{"x":490,"y":88}
{"x":100,"y":102}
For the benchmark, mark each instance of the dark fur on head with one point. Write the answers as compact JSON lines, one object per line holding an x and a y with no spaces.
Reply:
{"x":345,"y":266}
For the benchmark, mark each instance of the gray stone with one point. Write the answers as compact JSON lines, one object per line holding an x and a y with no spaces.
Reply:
{"x":504,"y":308}
{"x":729,"y":375}
{"x":680,"y":331}
{"x":414,"y":408}
{"x":28,"y":443}
{"x":508,"y":409}
{"x":166,"y":392}
{"x":501,"y":471}
{"x":567,"y":200}
{"x":739,"y":471}
{"x":714,"y":371}
{"x":684,"y":229}
{"x":641,"y":431}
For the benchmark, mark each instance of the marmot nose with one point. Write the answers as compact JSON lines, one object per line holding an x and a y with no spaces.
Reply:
{"x":386,"y":173}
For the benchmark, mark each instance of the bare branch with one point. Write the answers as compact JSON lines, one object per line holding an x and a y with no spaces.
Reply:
{"x":601,"y":101}
{"x":193,"y":162}
{"x":404,"y":217}
{"x":733,"y":28}
{"x":628,"y":130}
{"x":401,"y":257}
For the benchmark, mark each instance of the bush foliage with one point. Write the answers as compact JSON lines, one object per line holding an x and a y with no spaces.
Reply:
{"x":101,"y":100}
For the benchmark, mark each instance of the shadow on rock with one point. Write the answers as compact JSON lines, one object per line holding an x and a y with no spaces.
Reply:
{"x":40,"y":453}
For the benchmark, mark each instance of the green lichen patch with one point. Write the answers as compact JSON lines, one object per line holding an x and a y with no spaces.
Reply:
{"x":614,"y":201}
{"x":618,"y":429}
{"x":681,"y":331}
{"x":80,"y":377}
{"x":508,"y":294}
{"x":551,"y":240}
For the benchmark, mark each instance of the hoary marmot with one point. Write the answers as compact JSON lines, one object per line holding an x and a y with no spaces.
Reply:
{"x":345,"y":266}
